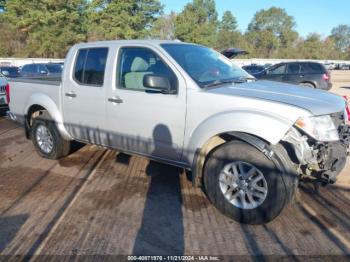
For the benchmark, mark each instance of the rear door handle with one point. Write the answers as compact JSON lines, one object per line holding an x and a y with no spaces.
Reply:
{"x":71,"y":94}
{"x":115,"y":100}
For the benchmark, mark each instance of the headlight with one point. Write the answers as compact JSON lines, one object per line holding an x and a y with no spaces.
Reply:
{"x":321,"y":128}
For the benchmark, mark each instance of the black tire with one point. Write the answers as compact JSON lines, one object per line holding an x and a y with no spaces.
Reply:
{"x":61,"y":147}
{"x":308,"y":85}
{"x":278,"y":194}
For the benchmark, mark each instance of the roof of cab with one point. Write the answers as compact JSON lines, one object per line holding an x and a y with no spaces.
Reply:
{"x":126,"y":42}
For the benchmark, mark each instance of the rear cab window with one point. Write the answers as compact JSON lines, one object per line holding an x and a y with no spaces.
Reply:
{"x":90,"y":65}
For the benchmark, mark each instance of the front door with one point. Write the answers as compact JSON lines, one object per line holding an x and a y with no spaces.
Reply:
{"x":276,"y":73}
{"x":142,"y":120}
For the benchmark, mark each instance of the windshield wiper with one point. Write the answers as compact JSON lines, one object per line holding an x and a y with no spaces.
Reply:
{"x":246,"y":79}
{"x":218,"y":82}
{"x":234,"y":80}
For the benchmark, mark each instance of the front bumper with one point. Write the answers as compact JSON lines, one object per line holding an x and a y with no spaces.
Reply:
{"x":332,"y":159}
{"x":321,"y":160}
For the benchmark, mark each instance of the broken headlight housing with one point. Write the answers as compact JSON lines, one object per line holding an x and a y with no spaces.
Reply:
{"x":321,"y":128}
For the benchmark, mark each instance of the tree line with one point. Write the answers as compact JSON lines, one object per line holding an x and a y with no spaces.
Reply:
{"x":48,"y":28}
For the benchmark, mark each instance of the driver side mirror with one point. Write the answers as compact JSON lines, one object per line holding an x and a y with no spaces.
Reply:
{"x":158,"y":83}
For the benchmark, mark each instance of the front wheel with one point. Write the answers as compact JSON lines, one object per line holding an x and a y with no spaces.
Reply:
{"x":47,"y":140}
{"x":244,"y":184}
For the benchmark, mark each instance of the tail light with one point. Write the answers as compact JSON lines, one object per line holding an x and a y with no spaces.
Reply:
{"x":7,"y":89}
{"x":347,"y":108}
{"x":326,"y":77}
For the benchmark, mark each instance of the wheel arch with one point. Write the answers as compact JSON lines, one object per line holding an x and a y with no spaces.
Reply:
{"x":216,"y":141}
{"x":313,"y":83}
{"x":276,"y":153}
{"x":41,"y":102}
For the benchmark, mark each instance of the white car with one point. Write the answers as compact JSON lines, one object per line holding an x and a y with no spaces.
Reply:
{"x":3,"y":100}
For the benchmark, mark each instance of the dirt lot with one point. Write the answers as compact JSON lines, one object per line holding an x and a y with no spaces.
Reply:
{"x":101,"y":202}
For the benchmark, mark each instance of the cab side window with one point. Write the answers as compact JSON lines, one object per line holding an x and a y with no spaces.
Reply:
{"x":278,"y":70}
{"x":90,"y":66}
{"x":134,"y":63}
{"x":29,"y":68}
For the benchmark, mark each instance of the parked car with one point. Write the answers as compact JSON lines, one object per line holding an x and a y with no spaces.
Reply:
{"x":344,"y":67}
{"x":42,"y":69}
{"x":253,"y":69}
{"x":10,"y":71}
{"x":247,"y":142}
{"x":330,"y":66}
{"x":310,"y":74}
{"x":3,"y":97}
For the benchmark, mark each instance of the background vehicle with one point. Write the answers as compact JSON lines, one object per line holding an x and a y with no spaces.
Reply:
{"x":247,"y":142}
{"x":330,"y":66}
{"x":39,"y":70}
{"x":10,"y":71}
{"x":344,"y":67}
{"x":3,"y":98}
{"x":253,"y":69}
{"x":310,"y":74}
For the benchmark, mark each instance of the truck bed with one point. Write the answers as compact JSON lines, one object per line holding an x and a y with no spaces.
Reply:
{"x":24,"y":90}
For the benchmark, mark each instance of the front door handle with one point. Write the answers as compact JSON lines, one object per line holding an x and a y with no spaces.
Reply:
{"x":115,"y":100}
{"x":71,"y":94}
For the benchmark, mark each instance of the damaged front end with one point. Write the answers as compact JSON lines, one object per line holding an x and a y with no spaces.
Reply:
{"x":321,"y":160}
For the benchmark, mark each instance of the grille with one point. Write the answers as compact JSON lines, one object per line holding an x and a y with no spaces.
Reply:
{"x":2,"y":89}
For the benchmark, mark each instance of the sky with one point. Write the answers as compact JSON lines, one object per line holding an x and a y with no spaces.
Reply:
{"x":310,"y":15}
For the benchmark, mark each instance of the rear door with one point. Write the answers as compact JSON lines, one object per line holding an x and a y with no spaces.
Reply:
{"x":142,"y":120}
{"x":84,"y":95}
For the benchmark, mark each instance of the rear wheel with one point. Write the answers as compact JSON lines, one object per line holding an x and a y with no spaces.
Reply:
{"x":244,"y":184}
{"x":47,"y":140}
{"x":307,"y":85}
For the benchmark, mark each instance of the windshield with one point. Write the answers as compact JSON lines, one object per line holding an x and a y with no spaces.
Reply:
{"x":54,"y":68}
{"x":204,"y":65}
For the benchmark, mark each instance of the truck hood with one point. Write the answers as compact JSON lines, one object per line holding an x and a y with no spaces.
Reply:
{"x":318,"y":102}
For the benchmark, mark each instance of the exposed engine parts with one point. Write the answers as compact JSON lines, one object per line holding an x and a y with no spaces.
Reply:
{"x":320,"y":160}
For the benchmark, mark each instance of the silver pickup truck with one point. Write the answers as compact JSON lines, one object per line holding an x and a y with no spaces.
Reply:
{"x":247,"y":142}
